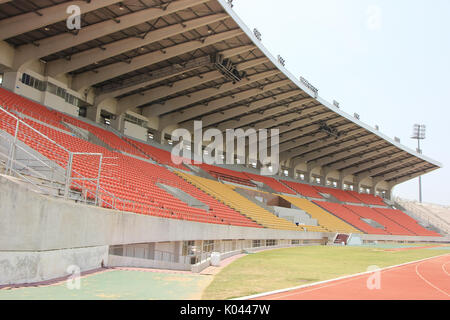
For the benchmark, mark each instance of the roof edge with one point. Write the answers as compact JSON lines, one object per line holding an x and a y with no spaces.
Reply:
{"x":226,"y":6}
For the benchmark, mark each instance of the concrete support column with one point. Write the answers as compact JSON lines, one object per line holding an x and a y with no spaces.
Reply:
{"x":93,"y":113}
{"x":389,"y":193}
{"x":177,"y":251}
{"x":340,"y":183}
{"x":308,"y":174}
{"x":291,"y":172}
{"x":157,"y":136}
{"x":357,"y":184}
{"x":119,"y":123}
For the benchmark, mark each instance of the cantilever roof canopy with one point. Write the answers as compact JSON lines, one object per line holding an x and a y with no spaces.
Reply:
{"x":160,"y":58}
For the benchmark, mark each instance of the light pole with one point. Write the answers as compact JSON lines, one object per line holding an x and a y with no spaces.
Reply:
{"x":419,"y":134}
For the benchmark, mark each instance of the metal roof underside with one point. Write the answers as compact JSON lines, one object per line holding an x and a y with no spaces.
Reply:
{"x":179,"y":83}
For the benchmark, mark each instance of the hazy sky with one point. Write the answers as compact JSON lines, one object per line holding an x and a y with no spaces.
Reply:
{"x":387,"y":60}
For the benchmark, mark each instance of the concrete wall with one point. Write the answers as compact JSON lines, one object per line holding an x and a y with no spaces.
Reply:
{"x":135,"y":131}
{"x":58,"y":103}
{"x":120,"y":261}
{"x":34,"y":266}
{"x":32,"y":222}
{"x":41,"y":236}
{"x":298,"y":215}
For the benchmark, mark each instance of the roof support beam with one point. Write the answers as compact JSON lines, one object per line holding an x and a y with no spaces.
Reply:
{"x":90,"y":78}
{"x":401,"y":172}
{"x":333,"y":149}
{"x":349,"y":162}
{"x":399,"y":180}
{"x":211,"y":106}
{"x":87,"y":57}
{"x":379,"y":170}
{"x":343,"y":154}
{"x":179,"y":102}
{"x":171,"y":71}
{"x":301,"y":120}
{"x":292,"y":128}
{"x":157,"y":93}
{"x":297,"y":148}
{"x":365,"y":169}
{"x":246,"y":119}
{"x":67,"y":40}
{"x":286,"y":137}
{"x":14,"y":26}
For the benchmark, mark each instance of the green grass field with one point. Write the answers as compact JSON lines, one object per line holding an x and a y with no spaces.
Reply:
{"x":284,"y":268}
{"x":254,"y":273}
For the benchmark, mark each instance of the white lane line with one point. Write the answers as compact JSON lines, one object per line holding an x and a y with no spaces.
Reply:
{"x":428,"y":282}
{"x":356,"y":277}
{"x":259,"y":295}
{"x":443,"y":268}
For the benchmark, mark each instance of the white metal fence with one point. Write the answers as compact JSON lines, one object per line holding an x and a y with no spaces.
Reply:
{"x":50,"y":168}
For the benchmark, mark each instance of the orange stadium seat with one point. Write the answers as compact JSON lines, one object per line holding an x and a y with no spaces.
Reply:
{"x":303,"y":189}
{"x":130,"y":184}
{"x":271,"y":182}
{"x":349,"y":216}
{"x":390,"y":226}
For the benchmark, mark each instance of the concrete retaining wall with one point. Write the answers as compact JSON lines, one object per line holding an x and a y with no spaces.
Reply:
{"x":33,"y":222}
{"x":120,"y":261}
{"x":35,"y":266}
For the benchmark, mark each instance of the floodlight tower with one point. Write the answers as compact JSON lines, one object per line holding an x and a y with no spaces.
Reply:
{"x":419,"y":134}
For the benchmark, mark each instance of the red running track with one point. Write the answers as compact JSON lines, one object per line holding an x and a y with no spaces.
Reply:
{"x":423,"y":280}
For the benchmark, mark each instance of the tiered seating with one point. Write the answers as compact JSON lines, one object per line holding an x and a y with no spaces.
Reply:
{"x":131,"y":181}
{"x":367,"y":198}
{"x":390,"y":226}
{"x":158,"y":155}
{"x":227,"y":195}
{"x":324,"y":219}
{"x":339,"y":194}
{"x":227,"y":174}
{"x":349,"y":216}
{"x":106,"y":136}
{"x":131,"y":184}
{"x":33,"y":139}
{"x":141,"y":178}
{"x":406,"y":221}
{"x":271,"y":182}
{"x":14,"y":102}
{"x":438,"y":216}
{"x":303,"y":189}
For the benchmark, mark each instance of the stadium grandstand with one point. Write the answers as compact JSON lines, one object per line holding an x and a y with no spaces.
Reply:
{"x":88,"y":175}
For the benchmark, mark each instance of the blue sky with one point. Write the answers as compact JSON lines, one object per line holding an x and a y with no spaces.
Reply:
{"x":387,"y":60}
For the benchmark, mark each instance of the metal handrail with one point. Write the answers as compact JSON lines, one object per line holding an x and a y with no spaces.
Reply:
{"x":100,"y":195}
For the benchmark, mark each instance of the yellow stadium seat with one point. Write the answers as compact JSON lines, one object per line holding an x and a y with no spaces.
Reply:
{"x":228,"y":196}
{"x":328,"y":221}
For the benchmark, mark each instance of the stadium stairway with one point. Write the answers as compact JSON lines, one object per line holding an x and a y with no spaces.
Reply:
{"x":106,"y":141}
{"x":406,"y":222}
{"x":127,"y":182}
{"x":302,"y":189}
{"x":349,"y":216}
{"x":340,"y":195}
{"x":433,"y":216}
{"x":272,"y":183}
{"x":161,"y":156}
{"x":326,"y":220}
{"x":390,"y":226}
{"x":228,"y":196}
{"x":228,"y":175}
